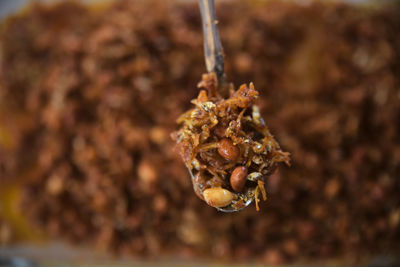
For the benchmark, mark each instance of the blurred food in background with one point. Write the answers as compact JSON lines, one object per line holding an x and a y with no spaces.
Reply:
{"x":89,"y":99}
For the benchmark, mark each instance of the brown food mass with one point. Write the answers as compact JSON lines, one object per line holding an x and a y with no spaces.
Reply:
{"x":246,"y":141}
{"x":88,"y":100}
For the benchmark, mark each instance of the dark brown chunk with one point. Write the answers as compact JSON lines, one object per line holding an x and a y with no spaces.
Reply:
{"x":228,"y":150}
{"x":238,"y":178}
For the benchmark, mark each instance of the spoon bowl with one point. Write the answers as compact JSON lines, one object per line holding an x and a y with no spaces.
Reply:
{"x":229,"y":208}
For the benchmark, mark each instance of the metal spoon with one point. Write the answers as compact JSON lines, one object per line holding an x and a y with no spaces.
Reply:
{"x":213,"y":51}
{"x":229,"y":208}
{"x":214,"y":58}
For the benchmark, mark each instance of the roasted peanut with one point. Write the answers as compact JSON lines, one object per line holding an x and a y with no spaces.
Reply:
{"x":227,"y":149}
{"x":238,"y":178}
{"x":218,"y":197}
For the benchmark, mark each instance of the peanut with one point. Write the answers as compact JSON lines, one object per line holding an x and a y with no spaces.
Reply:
{"x":238,"y":178}
{"x":218,"y":197}
{"x":228,"y":150}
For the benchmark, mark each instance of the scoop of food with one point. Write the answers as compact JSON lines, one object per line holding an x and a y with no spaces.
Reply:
{"x":227,"y":146}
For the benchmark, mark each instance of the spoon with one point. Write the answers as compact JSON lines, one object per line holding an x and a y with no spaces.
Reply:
{"x":213,"y":51}
{"x":214,"y":58}
{"x":228,"y":208}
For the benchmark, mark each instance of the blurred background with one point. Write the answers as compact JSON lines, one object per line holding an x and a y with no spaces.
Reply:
{"x":89,"y":94}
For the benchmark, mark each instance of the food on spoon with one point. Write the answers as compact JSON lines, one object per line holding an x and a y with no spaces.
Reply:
{"x":227,"y":146}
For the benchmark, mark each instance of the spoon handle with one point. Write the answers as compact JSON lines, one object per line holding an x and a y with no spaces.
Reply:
{"x":213,"y":51}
